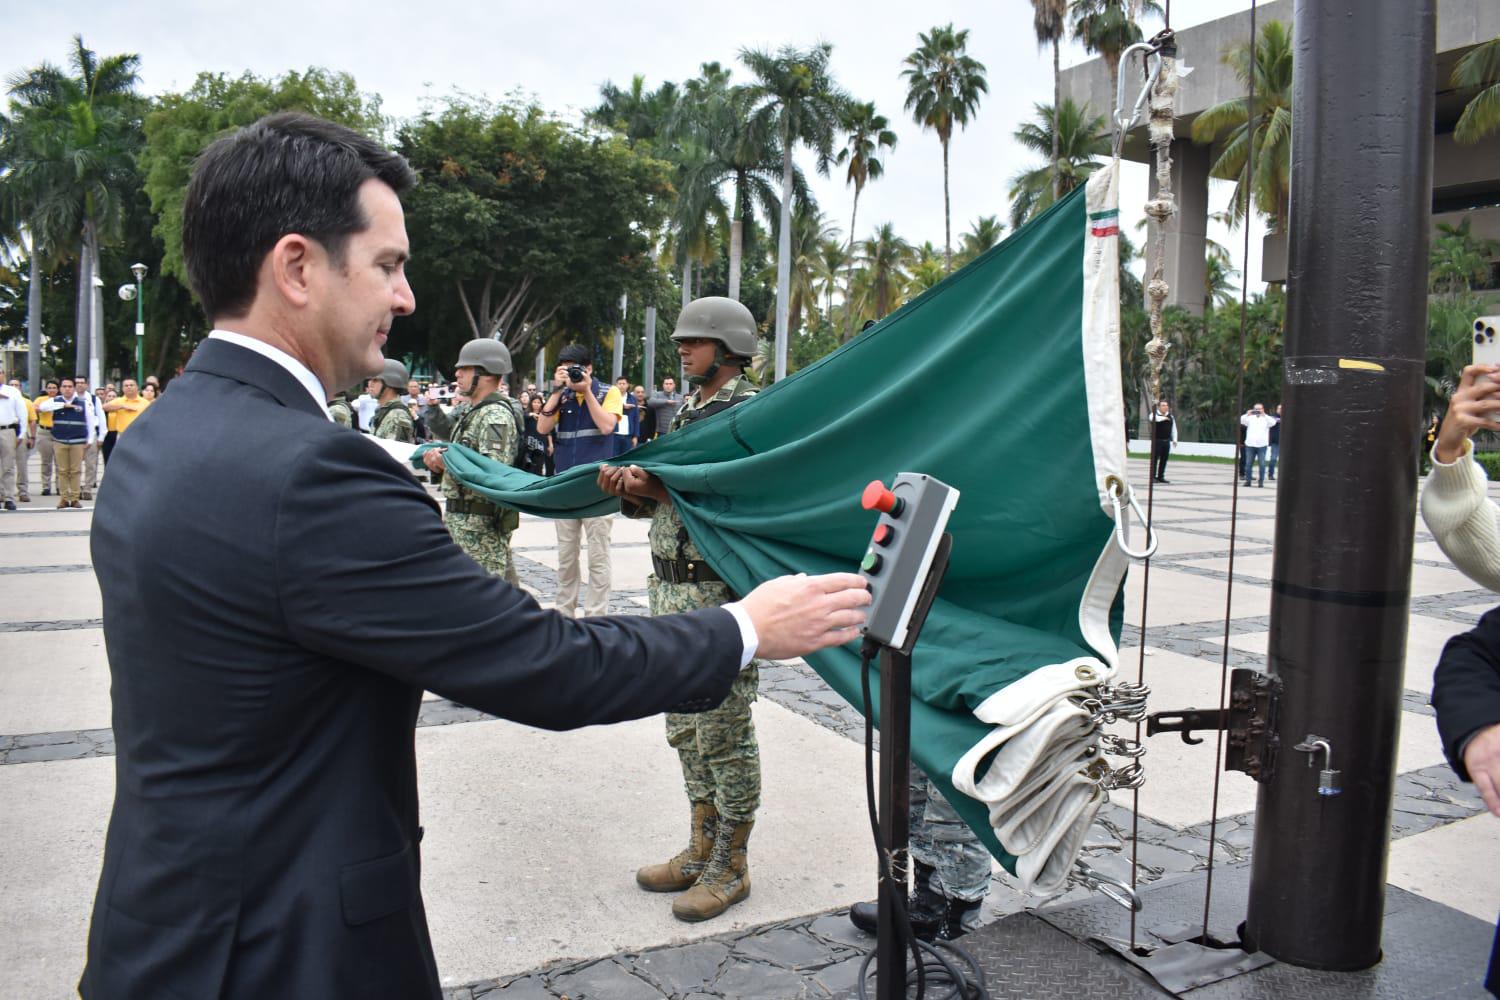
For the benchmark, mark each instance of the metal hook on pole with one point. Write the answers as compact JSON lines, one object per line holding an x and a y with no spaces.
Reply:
{"x":1151,"y":66}
{"x":1096,"y":881}
{"x":1119,"y":497}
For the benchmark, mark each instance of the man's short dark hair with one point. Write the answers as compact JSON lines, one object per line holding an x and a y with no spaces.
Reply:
{"x":575,"y":354}
{"x":286,"y":173}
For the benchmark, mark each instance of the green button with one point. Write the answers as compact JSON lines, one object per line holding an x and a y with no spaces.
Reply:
{"x":871,"y":562}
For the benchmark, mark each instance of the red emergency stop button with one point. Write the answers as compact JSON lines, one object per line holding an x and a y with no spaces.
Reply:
{"x":882,"y":534}
{"x":878,"y":496}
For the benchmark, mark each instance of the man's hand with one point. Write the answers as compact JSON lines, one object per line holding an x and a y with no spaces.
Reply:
{"x":433,"y":459}
{"x":611,"y":480}
{"x":1482,"y":759}
{"x":1473,"y":407}
{"x":797,"y":615}
{"x":560,"y":377}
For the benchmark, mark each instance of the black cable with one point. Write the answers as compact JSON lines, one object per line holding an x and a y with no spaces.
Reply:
{"x":937,"y":969}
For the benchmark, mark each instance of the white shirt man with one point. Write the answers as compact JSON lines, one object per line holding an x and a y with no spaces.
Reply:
{"x":15,"y":419}
{"x":1257,"y":424}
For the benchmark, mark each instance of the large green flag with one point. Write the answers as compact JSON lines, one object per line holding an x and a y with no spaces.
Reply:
{"x":1004,"y":382}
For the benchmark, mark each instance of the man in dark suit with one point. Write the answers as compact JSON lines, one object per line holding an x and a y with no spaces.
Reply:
{"x":1466,"y":696}
{"x":264,"y":838}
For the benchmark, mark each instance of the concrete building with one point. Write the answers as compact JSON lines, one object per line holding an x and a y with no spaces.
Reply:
{"x":1465,"y":179}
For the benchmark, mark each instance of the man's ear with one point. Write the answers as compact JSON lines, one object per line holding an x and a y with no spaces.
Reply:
{"x":291,"y":268}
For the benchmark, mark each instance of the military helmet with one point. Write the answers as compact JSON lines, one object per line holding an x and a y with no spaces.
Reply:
{"x":394,"y":375}
{"x":724,"y":320}
{"x":487,"y":355}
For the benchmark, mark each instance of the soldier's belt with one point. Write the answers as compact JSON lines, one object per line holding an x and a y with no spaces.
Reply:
{"x":481,"y":508}
{"x":683,"y":570}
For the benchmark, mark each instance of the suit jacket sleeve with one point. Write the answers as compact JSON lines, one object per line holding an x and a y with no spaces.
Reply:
{"x":367,"y":573}
{"x":1466,"y":687}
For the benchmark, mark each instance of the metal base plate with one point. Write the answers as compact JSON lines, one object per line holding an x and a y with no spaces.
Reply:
{"x":1431,"y":950}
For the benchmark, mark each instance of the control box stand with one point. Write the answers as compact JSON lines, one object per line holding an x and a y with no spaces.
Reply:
{"x":895,"y":787}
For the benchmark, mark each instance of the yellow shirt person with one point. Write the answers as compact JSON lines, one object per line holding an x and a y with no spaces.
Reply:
{"x":123,"y":410}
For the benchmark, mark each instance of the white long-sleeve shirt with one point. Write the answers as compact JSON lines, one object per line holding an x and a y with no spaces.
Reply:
{"x":1258,"y":429}
{"x":13,"y":410}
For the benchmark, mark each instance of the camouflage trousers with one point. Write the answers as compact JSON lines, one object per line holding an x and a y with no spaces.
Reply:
{"x":477,"y":535}
{"x":720,"y":757}
{"x":942,"y":840}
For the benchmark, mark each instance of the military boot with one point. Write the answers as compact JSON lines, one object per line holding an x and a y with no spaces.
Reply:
{"x":954,"y":912}
{"x":682,"y":871}
{"x":925,"y":908}
{"x":725,"y":879}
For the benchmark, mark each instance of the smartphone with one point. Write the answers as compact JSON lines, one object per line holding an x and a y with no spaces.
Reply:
{"x":1487,"y":340}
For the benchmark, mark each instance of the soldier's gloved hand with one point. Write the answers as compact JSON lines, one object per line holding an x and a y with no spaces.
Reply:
{"x":797,"y":615}
{"x":433,"y":459}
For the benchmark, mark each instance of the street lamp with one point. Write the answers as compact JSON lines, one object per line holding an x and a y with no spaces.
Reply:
{"x":139,"y":270}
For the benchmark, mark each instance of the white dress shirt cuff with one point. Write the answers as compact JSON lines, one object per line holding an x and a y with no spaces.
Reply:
{"x":747,"y":632}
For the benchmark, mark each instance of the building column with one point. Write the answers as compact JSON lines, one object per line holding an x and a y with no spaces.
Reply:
{"x":1187,"y":232}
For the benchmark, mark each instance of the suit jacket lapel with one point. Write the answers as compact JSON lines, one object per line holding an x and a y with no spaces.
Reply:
{"x":219,"y":357}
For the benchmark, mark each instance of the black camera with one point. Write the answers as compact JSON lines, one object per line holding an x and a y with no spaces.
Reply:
{"x":576,"y":373}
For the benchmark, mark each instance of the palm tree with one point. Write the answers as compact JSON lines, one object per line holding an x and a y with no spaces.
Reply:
{"x":926,"y":268}
{"x":943,"y":84}
{"x":699,"y":214}
{"x":985,"y":233}
{"x":637,"y":114}
{"x":1268,"y":138}
{"x":1480,"y":67}
{"x":1458,"y":260}
{"x":797,"y":100}
{"x":1108,"y":28}
{"x":811,"y":230}
{"x":1081,"y":139}
{"x":868,"y":133}
{"x":1219,"y":288}
{"x":884,"y":258}
{"x":1049,"y":18}
{"x":836,"y":257}
{"x":74,"y":164}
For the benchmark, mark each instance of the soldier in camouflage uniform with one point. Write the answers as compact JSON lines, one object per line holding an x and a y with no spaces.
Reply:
{"x":393,"y":420}
{"x":716,"y":339}
{"x":489,"y":426}
{"x":340,"y":410}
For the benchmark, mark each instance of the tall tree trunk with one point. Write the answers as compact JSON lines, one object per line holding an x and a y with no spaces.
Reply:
{"x":849,"y":283}
{"x":1056,"y":118}
{"x":96,"y":315}
{"x":947,"y":217}
{"x":687,"y":281}
{"x":784,"y":257}
{"x":34,"y":324}
{"x":83,"y":325}
{"x":737,"y":239}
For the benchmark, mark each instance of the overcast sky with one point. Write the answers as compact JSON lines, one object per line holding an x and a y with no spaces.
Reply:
{"x":561,"y":53}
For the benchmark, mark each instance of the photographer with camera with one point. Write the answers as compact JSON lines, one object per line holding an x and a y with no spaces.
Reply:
{"x":584,"y":413}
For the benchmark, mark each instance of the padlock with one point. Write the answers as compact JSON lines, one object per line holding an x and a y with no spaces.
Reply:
{"x":1328,"y":782}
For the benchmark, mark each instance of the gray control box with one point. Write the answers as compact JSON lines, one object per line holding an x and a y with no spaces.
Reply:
{"x":914,"y":512}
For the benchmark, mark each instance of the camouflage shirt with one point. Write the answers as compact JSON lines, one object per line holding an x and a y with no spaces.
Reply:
{"x":393,"y":422}
{"x":341,"y":413}
{"x":668,"y":538}
{"x":490,"y":429}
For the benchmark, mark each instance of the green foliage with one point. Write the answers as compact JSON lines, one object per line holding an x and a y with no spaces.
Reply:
{"x":1490,"y":462}
{"x":1459,"y":261}
{"x":531,"y":227}
{"x":1267,"y":140}
{"x":179,"y":126}
{"x":1450,"y":345}
{"x":1479,"y":68}
{"x":1080,"y":138}
{"x":1105,"y":27}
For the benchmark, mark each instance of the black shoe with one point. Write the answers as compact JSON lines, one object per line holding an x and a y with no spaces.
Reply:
{"x":925,"y":908}
{"x":953,"y":918}
{"x":1165,"y":482}
{"x":46,"y":491}
{"x":10,"y":505}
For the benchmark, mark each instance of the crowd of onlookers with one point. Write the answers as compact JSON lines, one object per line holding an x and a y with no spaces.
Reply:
{"x":647,"y":415}
{"x":73,"y":431}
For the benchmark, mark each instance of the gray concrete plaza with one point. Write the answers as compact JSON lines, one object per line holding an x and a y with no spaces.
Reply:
{"x":533,"y":838}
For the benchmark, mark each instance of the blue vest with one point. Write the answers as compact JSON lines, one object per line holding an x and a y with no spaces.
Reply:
{"x":578,"y":439}
{"x":70,"y":424}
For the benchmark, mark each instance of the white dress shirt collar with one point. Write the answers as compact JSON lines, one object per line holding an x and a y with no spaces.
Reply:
{"x":295,"y":368}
